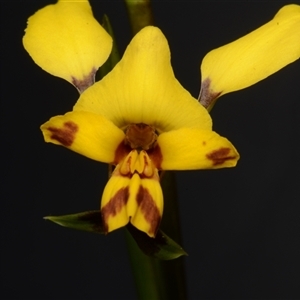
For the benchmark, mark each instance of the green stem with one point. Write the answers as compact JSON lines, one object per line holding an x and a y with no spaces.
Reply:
{"x":140,"y":14}
{"x":159,"y":279}
{"x":147,"y":272}
{"x":174,"y":269}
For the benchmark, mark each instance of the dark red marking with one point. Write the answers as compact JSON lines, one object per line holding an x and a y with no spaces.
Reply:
{"x":149,"y":209}
{"x":88,"y":80}
{"x":207,"y":96}
{"x":156,"y":156}
{"x":121,"y":152}
{"x":220,"y":156}
{"x":65,"y":135}
{"x":114,"y":206}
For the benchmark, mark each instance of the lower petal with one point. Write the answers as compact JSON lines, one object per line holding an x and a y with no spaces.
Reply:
{"x":132,"y":199}
{"x":149,"y":199}
{"x":85,"y":133}
{"x":114,"y":203}
{"x":191,"y":149}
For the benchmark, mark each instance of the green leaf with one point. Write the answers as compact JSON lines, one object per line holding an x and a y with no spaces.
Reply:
{"x":87,"y":221}
{"x":161,"y":247}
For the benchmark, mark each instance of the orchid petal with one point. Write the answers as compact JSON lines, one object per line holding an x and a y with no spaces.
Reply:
{"x":114,"y":203}
{"x":142,"y":88}
{"x":85,"y":133}
{"x":191,"y":149}
{"x":65,"y":40}
{"x":149,"y":211}
{"x":138,"y":200}
{"x":253,"y":57}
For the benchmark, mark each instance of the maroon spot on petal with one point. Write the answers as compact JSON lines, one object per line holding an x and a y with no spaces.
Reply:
{"x":156,"y":156}
{"x":149,"y":209}
{"x":121,"y":151}
{"x":207,"y":96}
{"x":114,"y":206}
{"x":65,"y":135}
{"x":87,"y":81}
{"x":220,"y":156}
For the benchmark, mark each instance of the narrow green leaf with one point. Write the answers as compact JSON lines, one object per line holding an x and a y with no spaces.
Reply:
{"x":87,"y":221}
{"x":161,"y":247}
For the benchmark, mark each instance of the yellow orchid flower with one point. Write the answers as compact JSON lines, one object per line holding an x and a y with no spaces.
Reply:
{"x":141,"y":120}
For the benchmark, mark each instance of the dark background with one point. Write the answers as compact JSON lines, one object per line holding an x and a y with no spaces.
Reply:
{"x":240,"y":226}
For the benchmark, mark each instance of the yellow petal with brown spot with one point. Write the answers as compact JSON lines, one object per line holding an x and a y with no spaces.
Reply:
{"x":149,"y":211}
{"x":191,"y":149}
{"x":65,"y":40}
{"x":132,"y":197}
{"x":114,"y":202}
{"x":253,"y":57}
{"x":85,"y":133}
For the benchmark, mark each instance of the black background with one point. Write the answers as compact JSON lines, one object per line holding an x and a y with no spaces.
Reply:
{"x":240,"y":226}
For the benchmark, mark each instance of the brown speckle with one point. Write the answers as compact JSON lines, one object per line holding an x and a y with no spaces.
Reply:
{"x":207,"y":96}
{"x":204,"y":143}
{"x":82,"y":85}
{"x":156,"y":156}
{"x":149,"y":209}
{"x":219,"y":156}
{"x":114,"y":206}
{"x":121,"y":152}
{"x":65,"y":135}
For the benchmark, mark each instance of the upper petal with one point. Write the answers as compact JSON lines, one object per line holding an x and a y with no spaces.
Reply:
{"x":142,"y":88}
{"x":85,"y":133}
{"x":192,"y":148}
{"x":253,"y":57}
{"x":65,"y":40}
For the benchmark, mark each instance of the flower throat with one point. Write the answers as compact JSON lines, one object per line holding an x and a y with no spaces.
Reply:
{"x":140,"y":136}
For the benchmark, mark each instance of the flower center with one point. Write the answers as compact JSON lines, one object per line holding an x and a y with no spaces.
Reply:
{"x":137,"y":162}
{"x":140,"y":136}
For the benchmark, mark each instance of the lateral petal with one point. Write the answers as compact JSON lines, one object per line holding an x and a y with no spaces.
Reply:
{"x":253,"y":57}
{"x":85,"y":133}
{"x":142,"y":88}
{"x":191,"y":149}
{"x":65,"y":40}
